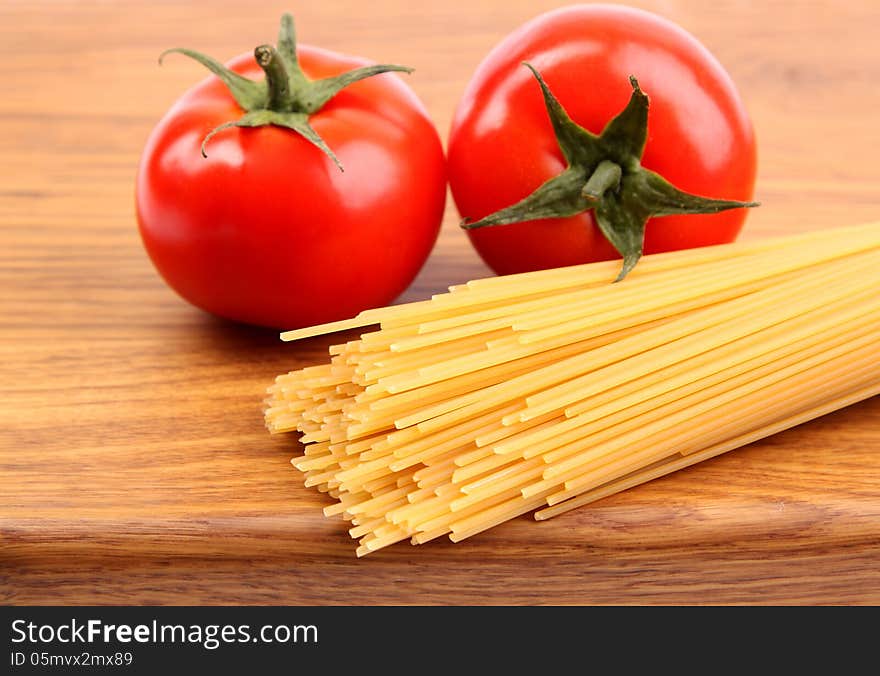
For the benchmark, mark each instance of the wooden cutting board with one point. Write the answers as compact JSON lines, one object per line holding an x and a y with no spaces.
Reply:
{"x":134,"y":465}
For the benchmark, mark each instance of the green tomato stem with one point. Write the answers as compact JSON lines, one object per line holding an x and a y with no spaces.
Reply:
{"x":605,"y":177}
{"x":277,"y":80}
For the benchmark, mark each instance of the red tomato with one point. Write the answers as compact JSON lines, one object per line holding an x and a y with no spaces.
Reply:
{"x":266,"y":229}
{"x":502,"y":147}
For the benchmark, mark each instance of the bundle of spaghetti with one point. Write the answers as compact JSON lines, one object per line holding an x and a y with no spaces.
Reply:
{"x":548,"y":390}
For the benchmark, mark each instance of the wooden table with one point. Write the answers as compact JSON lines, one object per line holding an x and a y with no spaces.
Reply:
{"x":134,"y":466}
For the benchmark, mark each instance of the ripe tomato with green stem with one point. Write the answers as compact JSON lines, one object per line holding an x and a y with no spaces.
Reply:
{"x":599,"y":131}
{"x":292,"y":187}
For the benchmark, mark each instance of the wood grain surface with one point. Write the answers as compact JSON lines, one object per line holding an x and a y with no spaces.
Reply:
{"x":134,"y":465}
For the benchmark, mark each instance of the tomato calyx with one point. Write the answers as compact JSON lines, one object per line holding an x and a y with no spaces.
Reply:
{"x":604,"y":173}
{"x":286,"y":97}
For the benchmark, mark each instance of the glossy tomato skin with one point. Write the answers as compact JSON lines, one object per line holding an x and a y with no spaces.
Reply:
{"x":266,"y":230}
{"x":501,"y":145}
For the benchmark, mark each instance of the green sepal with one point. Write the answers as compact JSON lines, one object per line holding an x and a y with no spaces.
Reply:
{"x":604,"y":173}
{"x":286,"y":97}
{"x":298,"y":122}
{"x":622,"y":214}
{"x":664,"y":199}
{"x":248,"y":94}
{"x":321,"y":91}
{"x":287,"y":48}
{"x":578,"y":145}
{"x":624,"y":137}
{"x":557,"y":198}
{"x":622,"y":218}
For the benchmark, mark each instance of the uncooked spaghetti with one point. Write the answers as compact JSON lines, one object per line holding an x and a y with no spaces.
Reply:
{"x":549,"y":390}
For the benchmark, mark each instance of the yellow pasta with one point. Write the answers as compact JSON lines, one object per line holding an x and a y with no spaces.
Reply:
{"x":549,"y":390}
